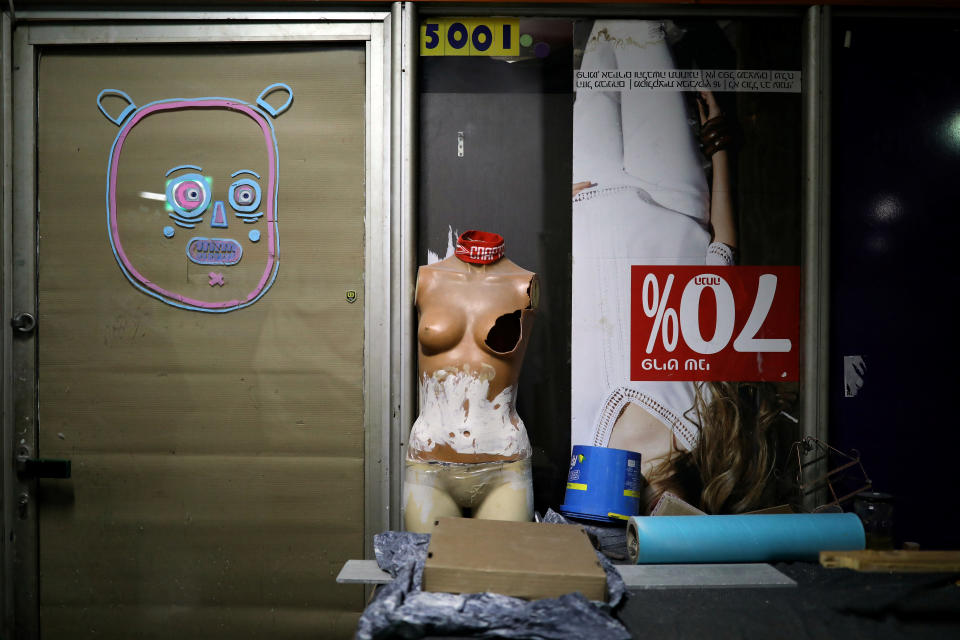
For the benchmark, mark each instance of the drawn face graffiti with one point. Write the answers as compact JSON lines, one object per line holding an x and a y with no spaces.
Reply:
{"x":192,"y":201}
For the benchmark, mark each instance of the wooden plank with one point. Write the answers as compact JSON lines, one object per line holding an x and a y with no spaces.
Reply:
{"x":523,"y":559}
{"x":670,"y":504}
{"x":897,"y":561}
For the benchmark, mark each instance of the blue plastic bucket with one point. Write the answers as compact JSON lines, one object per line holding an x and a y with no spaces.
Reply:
{"x":603,"y":484}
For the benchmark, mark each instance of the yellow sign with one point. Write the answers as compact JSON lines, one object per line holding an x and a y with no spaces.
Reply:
{"x":470,"y":37}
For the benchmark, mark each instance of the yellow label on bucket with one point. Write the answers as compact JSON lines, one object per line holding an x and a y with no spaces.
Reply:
{"x":631,"y":494}
{"x":610,"y":514}
{"x":577,"y":486}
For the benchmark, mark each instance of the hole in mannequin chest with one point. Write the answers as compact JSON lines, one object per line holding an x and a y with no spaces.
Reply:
{"x":505,"y":334}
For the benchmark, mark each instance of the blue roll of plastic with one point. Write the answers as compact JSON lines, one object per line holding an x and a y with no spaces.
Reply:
{"x":603,"y":484}
{"x":741,"y":538}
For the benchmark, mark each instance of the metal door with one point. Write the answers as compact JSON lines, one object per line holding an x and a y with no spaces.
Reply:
{"x":895,"y":158}
{"x":203,"y":248}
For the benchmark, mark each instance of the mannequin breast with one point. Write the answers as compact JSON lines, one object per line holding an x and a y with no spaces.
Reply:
{"x":473,"y":331}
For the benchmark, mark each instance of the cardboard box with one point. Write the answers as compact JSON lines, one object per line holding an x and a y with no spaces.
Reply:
{"x":523,"y":559}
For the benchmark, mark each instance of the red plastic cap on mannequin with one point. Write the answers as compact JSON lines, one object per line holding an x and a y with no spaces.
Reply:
{"x":479,"y":247}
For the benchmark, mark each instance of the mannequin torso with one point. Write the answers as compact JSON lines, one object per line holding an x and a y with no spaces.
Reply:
{"x":468,"y":451}
{"x":474,"y":327}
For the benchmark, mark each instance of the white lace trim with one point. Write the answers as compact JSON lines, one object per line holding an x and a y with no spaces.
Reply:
{"x":612,"y":407}
{"x":590,"y":194}
{"x":720,"y":254}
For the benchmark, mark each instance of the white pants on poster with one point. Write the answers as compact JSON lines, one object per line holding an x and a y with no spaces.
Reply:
{"x":650,"y":206}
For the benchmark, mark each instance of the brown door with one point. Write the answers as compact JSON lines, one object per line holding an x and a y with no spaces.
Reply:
{"x":198,"y":360}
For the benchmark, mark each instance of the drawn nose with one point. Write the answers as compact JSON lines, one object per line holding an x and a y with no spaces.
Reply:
{"x":219,"y":218}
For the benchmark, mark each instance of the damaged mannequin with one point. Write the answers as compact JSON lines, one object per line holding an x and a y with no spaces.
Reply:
{"x":468,"y":449}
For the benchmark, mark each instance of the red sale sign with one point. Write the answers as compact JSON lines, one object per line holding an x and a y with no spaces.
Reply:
{"x":715,"y":323}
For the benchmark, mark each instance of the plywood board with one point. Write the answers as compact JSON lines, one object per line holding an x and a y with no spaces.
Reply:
{"x":899,"y":561}
{"x":523,"y":559}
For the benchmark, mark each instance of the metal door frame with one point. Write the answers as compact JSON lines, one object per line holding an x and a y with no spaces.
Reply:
{"x":389,"y":104}
{"x":815,"y":171}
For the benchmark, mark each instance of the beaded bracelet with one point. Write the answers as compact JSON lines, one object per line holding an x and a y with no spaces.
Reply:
{"x":717,"y":134}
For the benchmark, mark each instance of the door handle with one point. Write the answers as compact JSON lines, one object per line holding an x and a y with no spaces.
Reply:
{"x":43,"y":468}
{"x":24,"y":322}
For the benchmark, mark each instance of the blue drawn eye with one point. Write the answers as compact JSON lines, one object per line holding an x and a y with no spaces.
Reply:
{"x":244,"y":195}
{"x":188,"y":195}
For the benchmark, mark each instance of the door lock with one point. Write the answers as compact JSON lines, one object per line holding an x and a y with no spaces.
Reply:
{"x":24,"y":322}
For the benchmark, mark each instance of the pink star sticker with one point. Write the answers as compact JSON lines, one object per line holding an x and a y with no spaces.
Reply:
{"x":216,"y":279}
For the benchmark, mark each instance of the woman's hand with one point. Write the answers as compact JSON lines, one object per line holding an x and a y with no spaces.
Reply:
{"x":707,"y":104}
{"x":714,"y":146}
{"x":580,"y":186}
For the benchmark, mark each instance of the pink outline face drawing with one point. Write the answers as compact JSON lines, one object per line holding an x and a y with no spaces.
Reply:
{"x":192,"y":199}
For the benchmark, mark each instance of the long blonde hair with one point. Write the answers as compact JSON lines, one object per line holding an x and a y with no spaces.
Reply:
{"x":732,"y":467}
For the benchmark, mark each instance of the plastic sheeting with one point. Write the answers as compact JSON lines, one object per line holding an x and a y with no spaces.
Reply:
{"x":610,"y":540}
{"x":401,"y":609}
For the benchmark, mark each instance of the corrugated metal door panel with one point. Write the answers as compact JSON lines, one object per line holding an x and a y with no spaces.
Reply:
{"x":217,"y":457}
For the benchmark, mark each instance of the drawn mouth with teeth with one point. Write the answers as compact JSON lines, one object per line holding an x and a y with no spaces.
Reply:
{"x":221,"y":252}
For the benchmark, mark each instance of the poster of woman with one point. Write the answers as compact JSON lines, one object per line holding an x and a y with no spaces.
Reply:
{"x":655,"y":153}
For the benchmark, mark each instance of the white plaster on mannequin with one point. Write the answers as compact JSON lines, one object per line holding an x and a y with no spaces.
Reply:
{"x":468,"y":449}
